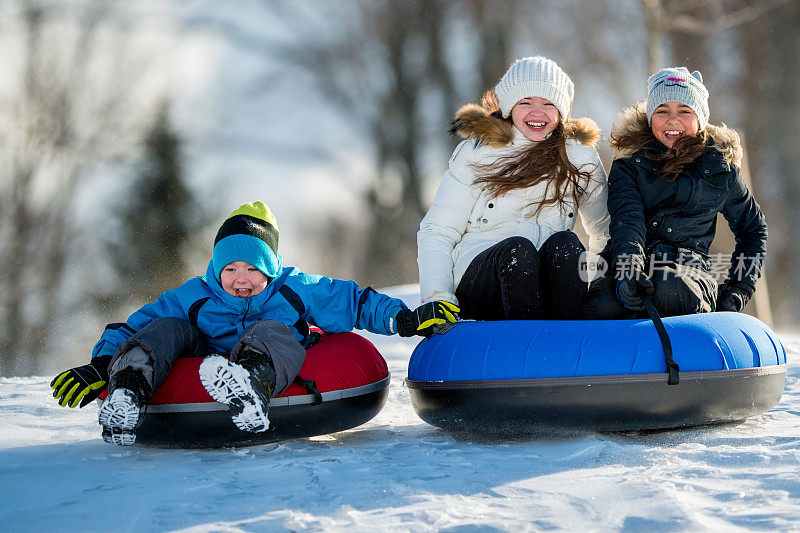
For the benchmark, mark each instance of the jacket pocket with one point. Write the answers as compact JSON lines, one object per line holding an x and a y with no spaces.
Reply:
{"x":710,"y":193}
{"x":476,"y":217}
{"x":490,"y":212}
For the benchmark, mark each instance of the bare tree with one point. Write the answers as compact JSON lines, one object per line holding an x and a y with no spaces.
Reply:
{"x":74,"y":106}
{"x":387,"y":67}
{"x":696,"y":17}
{"x":769,"y":89}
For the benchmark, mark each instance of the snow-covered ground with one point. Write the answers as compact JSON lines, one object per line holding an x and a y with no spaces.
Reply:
{"x":397,"y":473}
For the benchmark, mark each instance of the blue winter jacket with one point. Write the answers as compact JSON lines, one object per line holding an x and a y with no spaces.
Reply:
{"x":333,"y":305}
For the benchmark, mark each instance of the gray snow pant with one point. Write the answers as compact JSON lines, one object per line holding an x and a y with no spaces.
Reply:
{"x":677,"y":291}
{"x":155,"y":347}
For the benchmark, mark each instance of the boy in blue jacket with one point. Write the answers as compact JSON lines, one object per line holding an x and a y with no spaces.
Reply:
{"x":249,"y":307}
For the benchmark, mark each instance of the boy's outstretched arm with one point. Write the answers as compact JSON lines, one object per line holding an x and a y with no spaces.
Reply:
{"x":337,"y":305}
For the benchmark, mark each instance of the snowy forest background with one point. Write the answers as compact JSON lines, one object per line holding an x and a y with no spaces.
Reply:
{"x":128,"y":131}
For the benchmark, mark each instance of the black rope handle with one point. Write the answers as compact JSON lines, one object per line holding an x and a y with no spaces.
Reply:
{"x":672,"y":366}
{"x":311,"y":386}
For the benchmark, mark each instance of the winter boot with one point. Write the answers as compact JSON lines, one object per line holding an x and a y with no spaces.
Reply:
{"x":123,"y":409}
{"x":245,"y":386}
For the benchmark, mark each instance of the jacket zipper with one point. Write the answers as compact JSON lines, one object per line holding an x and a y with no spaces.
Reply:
{"x":246,"y":310}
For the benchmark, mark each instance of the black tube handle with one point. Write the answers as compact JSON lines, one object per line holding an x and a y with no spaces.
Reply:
{"x":672,"y":366}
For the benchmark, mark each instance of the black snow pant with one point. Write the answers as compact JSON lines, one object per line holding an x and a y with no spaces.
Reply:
{"x":513,"y":280}
{"x":678,"y":290}
{"x":155,"y":347}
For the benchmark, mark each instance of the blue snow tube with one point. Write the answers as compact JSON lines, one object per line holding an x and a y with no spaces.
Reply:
{"x":523,"y":376}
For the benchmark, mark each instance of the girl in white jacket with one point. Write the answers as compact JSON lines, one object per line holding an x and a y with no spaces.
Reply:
{"x":497,"y":240}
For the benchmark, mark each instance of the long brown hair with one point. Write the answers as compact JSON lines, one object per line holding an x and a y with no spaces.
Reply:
{"x":546,"y":161}
{"x":683,"y":152}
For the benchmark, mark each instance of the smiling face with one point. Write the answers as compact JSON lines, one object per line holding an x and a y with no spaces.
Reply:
{"x":242,"y":279}
{"x":672,"y":121}
{"x":535,"y":117}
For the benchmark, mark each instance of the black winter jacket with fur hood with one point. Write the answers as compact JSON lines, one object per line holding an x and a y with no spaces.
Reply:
{"x":677,"y":220}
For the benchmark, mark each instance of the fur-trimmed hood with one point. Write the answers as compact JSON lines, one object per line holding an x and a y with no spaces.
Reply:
{"x":626,"y":138}
{"x":481,"y":123}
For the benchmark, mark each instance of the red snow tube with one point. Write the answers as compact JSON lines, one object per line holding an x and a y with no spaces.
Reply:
{"x":347,"y":369}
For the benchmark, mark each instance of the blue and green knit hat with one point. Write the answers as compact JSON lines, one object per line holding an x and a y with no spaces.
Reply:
{"x":249,"y":234}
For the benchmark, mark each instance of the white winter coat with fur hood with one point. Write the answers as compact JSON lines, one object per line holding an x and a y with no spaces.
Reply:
{"x":465,"y":220}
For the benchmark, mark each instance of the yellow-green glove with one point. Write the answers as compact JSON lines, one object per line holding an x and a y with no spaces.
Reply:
{"x":422,"y":320}
{"x":81,"y":384}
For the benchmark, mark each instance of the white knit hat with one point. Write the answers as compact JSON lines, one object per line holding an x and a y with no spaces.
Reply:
{"x":675,"y":84}
{"x":535,"y":76}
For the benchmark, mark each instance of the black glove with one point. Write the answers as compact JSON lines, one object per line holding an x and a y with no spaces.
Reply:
{"x":732,"y":297}
{"x":629,"y":290}
{"x":422,"y":320}
{"x":81,"y":383}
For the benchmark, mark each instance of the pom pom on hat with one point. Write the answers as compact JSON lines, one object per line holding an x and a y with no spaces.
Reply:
{"x":676,"y":84}
{"x":249,"y":234}
{"x":535,"y":76}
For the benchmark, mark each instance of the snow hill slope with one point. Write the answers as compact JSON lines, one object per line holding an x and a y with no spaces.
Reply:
{"x":397,"y":473}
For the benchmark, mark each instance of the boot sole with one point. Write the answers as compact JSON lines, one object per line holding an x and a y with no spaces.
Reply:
{"x":119,"y":416}
{"x":229,"y":384}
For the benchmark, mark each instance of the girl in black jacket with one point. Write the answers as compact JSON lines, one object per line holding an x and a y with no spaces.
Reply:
{"x":672,"y":173}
